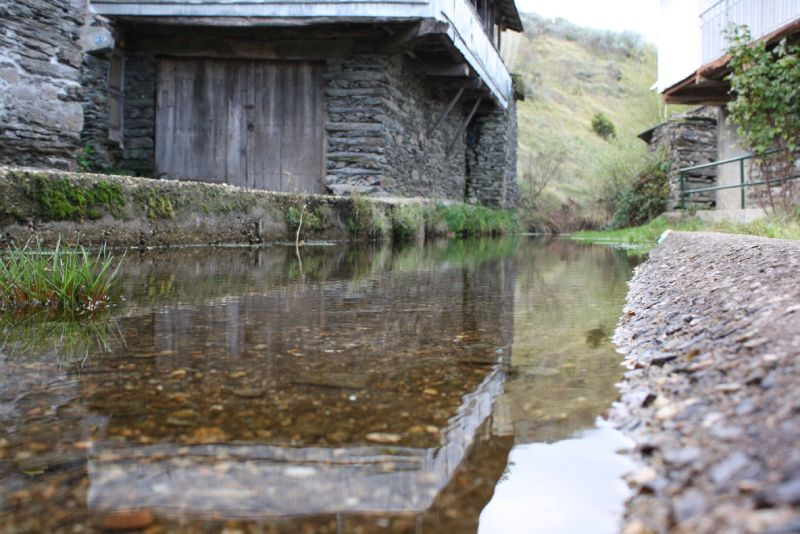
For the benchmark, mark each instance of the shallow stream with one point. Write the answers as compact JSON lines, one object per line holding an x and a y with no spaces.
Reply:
{"x":452,"y":387}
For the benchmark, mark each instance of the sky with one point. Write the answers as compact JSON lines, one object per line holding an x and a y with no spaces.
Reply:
{"x":640,"y":16}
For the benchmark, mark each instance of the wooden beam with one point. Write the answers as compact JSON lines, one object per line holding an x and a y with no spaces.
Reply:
{"x":461,"y":70}
{"x":402,"y":40}
{"x":446,"y":112}
{"x":463,"y":127}
{"x":455,"y":83}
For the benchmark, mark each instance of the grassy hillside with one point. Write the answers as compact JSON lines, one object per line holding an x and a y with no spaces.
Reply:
{"x":570,"y":74}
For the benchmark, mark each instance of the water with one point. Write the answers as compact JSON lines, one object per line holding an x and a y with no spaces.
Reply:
{"x":455,"y":387}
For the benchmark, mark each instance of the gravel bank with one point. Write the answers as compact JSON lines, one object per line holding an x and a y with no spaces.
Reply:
{"x":711,"y":331}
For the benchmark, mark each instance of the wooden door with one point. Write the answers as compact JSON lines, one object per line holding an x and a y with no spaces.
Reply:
{"x":247,"y":123}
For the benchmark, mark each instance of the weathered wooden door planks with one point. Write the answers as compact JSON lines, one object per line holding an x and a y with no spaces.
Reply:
{"x":253,"y":124}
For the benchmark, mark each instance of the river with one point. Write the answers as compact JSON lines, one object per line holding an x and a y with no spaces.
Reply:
{"x":453,"y":387}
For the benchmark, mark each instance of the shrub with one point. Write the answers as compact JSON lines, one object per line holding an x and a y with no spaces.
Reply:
{"x":767,"y":106}
{"x":646,"y":198}
{"x":408,"y":221}
{"x":367,"y":219}
{"x":602,"y":126}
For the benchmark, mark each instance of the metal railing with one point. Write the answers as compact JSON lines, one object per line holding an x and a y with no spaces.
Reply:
{"x":743,"y":183}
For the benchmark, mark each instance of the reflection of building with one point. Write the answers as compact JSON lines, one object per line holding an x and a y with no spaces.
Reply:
{"x":692,"y":69}
{"x":260,"y":481}
{"x":309,"y":371}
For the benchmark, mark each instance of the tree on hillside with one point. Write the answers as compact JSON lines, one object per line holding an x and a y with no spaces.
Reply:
{"x":766,"y":108}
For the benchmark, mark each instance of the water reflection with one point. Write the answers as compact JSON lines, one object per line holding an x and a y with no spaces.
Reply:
{"x":379,"y":390}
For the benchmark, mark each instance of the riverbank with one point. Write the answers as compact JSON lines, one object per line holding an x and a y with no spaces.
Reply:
{"x":712,"y":398}
{"x":95,"y":209}
{"x":646,"y":236}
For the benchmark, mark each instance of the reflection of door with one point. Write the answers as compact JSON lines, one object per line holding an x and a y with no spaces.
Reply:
{"x":248,"y":123}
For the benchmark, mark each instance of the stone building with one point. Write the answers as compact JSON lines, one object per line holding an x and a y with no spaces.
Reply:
{"x":688,"y":139}
{"x":406,"y":98}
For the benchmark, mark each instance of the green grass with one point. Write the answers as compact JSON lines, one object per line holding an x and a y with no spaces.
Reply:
{"x":64,"y":279}
{"x":646,"y":236}
{"x":462,"y":220}
{"x":467,"y":220}
{"x":569,"y":83}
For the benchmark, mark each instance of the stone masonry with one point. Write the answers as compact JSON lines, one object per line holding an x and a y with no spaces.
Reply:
{"x":40,"y":92}
{"x":689,"y":139}
{"x":380,"y":112}
{"x":492,"y":159}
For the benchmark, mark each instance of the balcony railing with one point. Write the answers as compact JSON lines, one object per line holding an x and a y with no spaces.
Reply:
{"x":761,"y":16}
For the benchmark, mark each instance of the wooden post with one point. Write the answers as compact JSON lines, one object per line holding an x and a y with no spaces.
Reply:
{"x":446,"y":111}
{"x":463,"y":127}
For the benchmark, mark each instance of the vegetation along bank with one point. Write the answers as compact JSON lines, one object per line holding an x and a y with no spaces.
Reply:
{"x":710,"y":333}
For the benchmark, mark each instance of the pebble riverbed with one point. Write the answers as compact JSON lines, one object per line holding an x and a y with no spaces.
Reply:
{"x":711,"y":332}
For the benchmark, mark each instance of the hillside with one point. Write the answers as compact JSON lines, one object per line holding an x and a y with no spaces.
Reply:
{"x":570,"y":74}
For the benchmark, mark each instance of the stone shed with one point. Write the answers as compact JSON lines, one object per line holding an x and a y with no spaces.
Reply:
{"x":688,"y":139}
{"x":405,"y":98}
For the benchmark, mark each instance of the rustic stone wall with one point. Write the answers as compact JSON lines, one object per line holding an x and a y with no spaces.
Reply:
{"x":689,"y":139}
{"x":139,"y":114}
{"x":419,"y":164}
{"x":492,"y":159}
{"x":355,"y":101}
{"x":378,"y":111}
{"x":40,"y":93}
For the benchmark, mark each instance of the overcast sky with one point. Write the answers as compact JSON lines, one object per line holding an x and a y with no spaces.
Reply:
{"x":636,"y":15}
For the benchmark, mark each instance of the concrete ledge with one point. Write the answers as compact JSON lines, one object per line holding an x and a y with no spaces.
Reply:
{"x":98,"y":209}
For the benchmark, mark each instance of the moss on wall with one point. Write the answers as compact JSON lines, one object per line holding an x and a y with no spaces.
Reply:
{"x":65,"y":199}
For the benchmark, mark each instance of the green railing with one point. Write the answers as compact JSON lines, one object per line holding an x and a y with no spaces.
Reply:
{"x":743,"y":183}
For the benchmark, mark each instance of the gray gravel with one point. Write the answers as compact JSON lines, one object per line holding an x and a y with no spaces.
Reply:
{"x":711,"y":333}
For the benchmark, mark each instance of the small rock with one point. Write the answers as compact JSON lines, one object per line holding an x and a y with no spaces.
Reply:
{"x":127,"y":520}
{"x":726,"y":433}
{"x":789,"y":492}
{"x":209,"y":435}
{"x":729,"y":387}
{"x":749,"y":486}
{"x":248,"y":393}
{"x":682,"y":456}
{"x":642,"y":477}
{"x":722,"y":472}
{"x":688,"y":505}
{"x":667,"y":412}
{"x":637,"y":527}
{"x":663,"y":358}
{"x":383,"y":437}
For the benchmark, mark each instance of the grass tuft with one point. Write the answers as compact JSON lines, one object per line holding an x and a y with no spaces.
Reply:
{"x":466,"y":220}
{"x":64,"y":279}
